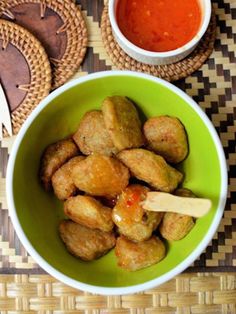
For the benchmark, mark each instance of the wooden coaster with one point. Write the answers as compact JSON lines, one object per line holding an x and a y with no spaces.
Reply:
{"x":25,"y":71}
{"x":170,"y":72}
{"x":59,"y":26}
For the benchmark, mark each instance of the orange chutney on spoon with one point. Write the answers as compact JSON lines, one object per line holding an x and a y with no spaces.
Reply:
{"x":159,"y":25}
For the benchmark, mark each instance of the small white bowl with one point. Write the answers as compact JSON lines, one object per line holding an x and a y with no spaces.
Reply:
{"x":159,"y":58}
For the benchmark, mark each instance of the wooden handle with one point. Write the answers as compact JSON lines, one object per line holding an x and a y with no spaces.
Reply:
{"x":5,"y":116}
{"x":164,"y":202}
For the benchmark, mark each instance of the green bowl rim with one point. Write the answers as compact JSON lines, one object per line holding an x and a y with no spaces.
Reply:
{"x":151,"y":283}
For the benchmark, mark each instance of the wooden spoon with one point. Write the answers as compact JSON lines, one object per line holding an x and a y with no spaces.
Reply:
{"x":5,"y":116}
{"x":165,"y":202}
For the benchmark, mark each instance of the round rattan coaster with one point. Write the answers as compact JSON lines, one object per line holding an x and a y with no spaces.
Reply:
{"x":25,"y":71}
{"x":170,"y":72}
{"x":59,"y":26}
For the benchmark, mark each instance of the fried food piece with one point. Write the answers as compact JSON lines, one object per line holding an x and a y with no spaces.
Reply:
{"x":54,"y":157}
{"x":89,"y":212}
{"x":133,"y":256}
{"x":132,"y":220}
{"x":166,"y":136}
{"x":101,"y":175}
{"x":62,"y":182}
{"x":87,"y":244}
{"x":151,"y":168}
{"x":184,"y":192}
{"x":122,"y":122}
{"x":174,"y":226}
{"x":92,"y":135}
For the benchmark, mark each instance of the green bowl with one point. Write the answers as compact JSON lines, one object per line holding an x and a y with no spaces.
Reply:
{"x":36,"y":214}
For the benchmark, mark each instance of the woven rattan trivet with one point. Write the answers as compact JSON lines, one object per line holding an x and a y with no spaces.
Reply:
{"x":60,"y":27}
{"x":25,"y":71}
{"x":171,"y":72}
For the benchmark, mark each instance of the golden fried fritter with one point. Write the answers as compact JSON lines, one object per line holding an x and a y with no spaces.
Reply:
{"x":62,"y":182}
{"x":151,"y":168}
{"x":166,"y":136}
{"x":184,"y":192}
{"x":89,"y":212}
{"x":122,"y":121}
{"x":132,"y":220}
{"x":133,"y":256}
{"x":54,"y":157}
{"x":92,"y":135}
{"x":87,"y":244}
{"x":174,"y":226}
{"x":101,"y":175}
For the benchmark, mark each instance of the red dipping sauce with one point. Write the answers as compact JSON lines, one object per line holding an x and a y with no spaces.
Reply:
{"x":159,"y":25}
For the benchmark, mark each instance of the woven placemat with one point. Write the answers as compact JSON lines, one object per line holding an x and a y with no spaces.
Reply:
{"x":60,"y":27}
{"x":213,"y":88}
{"x":18,"y":50}
{"x":197,"y":294}
{"x":171,"y":72}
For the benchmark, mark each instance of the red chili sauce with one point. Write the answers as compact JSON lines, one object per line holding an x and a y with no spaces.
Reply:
{"x":159,"y":25}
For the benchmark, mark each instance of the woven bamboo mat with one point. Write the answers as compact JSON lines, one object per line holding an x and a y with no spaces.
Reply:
{"x":208,"y":293}
{"x":214,"y":88}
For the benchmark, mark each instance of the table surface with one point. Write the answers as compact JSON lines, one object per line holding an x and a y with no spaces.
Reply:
{"x":213,"y":87}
